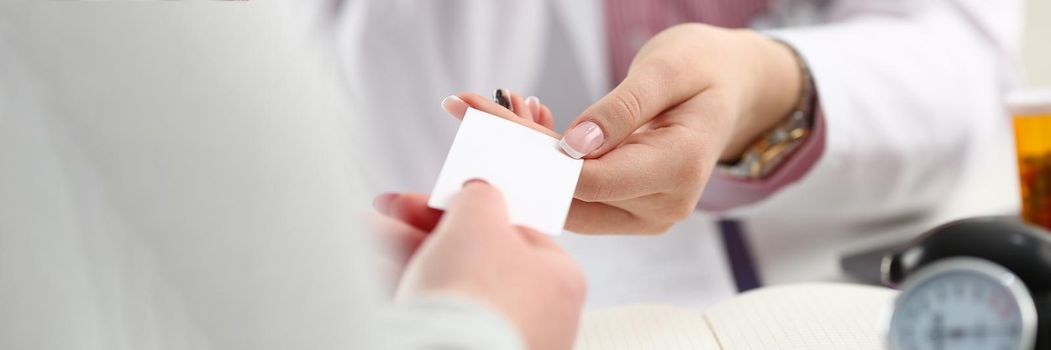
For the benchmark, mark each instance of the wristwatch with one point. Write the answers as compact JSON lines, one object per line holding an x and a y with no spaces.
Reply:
{"x":771,"y":149}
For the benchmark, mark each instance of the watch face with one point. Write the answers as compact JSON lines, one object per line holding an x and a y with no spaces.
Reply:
{"x":961,"y":304}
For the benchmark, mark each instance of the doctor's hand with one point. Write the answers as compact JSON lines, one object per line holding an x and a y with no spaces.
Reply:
{"x":694,"y":95}
{"x":473,"y":250}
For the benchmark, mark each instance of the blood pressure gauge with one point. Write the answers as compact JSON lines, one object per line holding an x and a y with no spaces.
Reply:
{"x":980,"y":283}
{"x":963,"y":303}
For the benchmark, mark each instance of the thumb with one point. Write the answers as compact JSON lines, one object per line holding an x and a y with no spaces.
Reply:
{"x":648,"y":90}
{"x":479,"y":208}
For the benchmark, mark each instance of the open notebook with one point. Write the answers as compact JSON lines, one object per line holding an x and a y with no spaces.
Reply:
{"x":805,"y":316}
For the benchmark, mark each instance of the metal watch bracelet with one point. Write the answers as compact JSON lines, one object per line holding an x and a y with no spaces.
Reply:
{"x":771,"y":149}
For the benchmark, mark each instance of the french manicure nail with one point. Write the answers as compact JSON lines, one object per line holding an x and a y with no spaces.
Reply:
{"x":533,"y":103}
{"x":584,"y":138}
{"x":455,"y":106}
{"x":476,"y":181}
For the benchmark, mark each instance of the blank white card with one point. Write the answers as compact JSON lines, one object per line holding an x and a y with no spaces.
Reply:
{"x":536,"y":178}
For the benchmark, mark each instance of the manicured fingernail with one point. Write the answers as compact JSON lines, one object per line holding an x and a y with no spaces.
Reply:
{"x":382,"y":203}
{"x":454,"y":106}
{"x":475,"y":181}
{"x":533,"y":103}
{"x":584,"y":138}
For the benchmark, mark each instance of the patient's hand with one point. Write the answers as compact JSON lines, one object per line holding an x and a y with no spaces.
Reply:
{"x":403,"y":222}
{"x":473,"y":250}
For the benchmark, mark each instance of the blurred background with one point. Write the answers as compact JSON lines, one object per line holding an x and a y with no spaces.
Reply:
{"x":1036,"y":44}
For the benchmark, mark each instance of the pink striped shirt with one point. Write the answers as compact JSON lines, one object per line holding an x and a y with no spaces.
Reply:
{"x":630,"y":23}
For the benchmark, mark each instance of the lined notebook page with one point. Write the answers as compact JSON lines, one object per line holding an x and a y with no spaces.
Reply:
{"x":804,"y":316}
{"x":644,"y":327}
{"x":807,"y":316}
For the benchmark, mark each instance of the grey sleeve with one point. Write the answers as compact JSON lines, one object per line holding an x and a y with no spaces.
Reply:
{"x":450,"y":322}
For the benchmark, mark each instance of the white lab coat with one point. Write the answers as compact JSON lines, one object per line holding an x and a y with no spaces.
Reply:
{"x":910,"y":90}
{"x":185,"y":176}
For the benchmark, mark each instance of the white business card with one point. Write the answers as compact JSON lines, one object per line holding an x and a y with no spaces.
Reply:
{"x":536,"y":178}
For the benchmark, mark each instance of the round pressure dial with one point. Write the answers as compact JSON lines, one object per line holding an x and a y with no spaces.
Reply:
{"x":963,"y":303}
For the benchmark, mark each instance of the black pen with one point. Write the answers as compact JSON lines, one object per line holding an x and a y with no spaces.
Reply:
{"x":503,"y":98}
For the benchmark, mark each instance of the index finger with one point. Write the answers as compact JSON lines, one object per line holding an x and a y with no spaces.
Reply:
{"x":649,"y":162}
{"x":484,"y":104}
{"x":412,"y":209}
{"x":630,"y":171}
